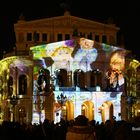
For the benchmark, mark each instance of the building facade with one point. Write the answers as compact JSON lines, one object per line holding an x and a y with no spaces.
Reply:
{"x":62,"y":67}
{"x":47,"y":30}
{"x":64,"y":79}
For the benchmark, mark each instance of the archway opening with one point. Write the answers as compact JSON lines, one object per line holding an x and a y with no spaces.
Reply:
{"x":107,"y":111}
{"x":87,"y":109}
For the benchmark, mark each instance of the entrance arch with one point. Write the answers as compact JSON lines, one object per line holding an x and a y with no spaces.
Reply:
{"x":69,"y":110}
{"x":107,"y":111}
{"x":87,"y":109}
{"x":65,"y":111}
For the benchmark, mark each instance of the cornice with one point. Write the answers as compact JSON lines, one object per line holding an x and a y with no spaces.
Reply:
{"x":62,"y":21}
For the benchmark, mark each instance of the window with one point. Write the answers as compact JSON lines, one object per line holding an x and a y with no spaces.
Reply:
{"x":22,"y":85}
{"x":97,"y":38}
{"x":89,"y":36}
{"x":44,"y":37}
{"x":10,"y":86}
{"x":79,"y":78}
{"x":29,"y":36}
{"x":59,"y":37}
{"x":43,"y":80}
{"x":36,"y":36}
{"x":96,"y":78}
{"x":67,"y":36}
{"x":62,"y":78}
{"x":82,"y":34}
{"x":104,"y":39}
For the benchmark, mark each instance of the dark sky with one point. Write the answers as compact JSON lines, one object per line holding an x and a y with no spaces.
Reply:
{"x":125,"y":15}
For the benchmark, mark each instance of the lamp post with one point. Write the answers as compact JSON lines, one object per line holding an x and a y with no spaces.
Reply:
{"x":62,"y":100}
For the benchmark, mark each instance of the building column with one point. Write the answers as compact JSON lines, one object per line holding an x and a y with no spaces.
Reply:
{"x":49,"y":107}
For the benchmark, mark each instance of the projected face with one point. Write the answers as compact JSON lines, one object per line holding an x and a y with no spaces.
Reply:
{"x":86,"y":54}
{"x":62,"y":56}
{"x":117,"y":64}
{"x":86,"y":43}
{"x":117,"y":61}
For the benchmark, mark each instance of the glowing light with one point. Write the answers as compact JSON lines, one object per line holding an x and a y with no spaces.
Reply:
{"x":134,"y":64}
{"x":83,"y":107}
{"x":98,"y":88}
{"x":64,"y":107}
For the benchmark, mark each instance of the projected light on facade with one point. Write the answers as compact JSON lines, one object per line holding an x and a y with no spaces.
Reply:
{"x":86,"y":72}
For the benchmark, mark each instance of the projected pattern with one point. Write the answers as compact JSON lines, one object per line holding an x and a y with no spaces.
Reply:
{"x":85,"y":55}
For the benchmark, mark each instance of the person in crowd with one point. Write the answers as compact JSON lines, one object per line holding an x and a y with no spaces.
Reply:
{"x":81,"y":130}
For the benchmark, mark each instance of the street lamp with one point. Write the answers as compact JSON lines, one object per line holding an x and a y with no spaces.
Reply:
{"x":62,"y":100}
{"x":13,"y":102}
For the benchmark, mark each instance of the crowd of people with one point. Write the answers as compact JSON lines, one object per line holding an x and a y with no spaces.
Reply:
{"x":78,"y":129}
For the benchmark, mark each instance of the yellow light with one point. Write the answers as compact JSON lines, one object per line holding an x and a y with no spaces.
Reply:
{"x":102,"y":107}
{"x":83,"y":107}
{"x":134,"y":64}
{"x":64,"y":107}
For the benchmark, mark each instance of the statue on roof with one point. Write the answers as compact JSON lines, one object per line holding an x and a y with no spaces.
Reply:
{"x":21,"y":17}
{"x":66,"y":6}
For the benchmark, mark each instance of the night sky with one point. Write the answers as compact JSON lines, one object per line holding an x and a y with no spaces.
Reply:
{"x":124,"y":14}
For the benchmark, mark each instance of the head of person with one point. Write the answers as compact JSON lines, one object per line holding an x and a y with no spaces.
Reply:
{"x":86,"y":43}
{"x":81,"y":120}
{"x":117,"y":60}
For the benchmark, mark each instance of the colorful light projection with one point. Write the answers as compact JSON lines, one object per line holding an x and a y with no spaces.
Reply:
{"x":86,"y":55}
{"x":8,"y":66}
{"x":116,"y":71}
{"x":98,"y":105}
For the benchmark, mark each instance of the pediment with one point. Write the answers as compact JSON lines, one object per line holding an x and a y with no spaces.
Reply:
{"x":61,"y":21}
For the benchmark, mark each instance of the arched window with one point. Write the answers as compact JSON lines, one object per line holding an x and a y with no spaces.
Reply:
{"x":75,"y":78}
{"x":99,"y":78}
{"x":47,"y":80}
{"x":10,"y":86}
{"x":22,"y":85}
{"x":79,"y":78}
{"x":93,"y":78}
{"x":96,"y":78}
{"x":43,"y":80}
{"x":62,"y":78}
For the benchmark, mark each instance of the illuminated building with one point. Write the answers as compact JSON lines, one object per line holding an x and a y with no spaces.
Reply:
{"x":42,"y":31}
{"x":89,"y":74}
{"x":133,"y":86}
{"x":49,"y":61}
{"x":14,"y":74}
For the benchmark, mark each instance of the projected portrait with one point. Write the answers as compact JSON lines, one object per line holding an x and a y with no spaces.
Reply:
{"x":62,"y":57}
{"x":117,"y":65}
{"x":86,"y":54}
